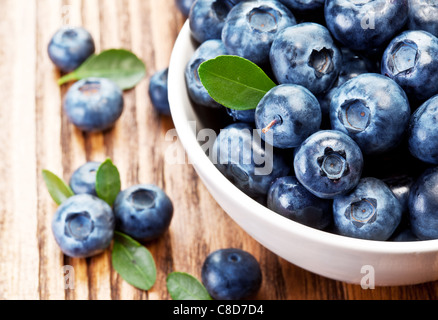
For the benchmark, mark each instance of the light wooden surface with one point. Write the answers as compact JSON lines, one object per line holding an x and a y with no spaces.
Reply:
{"x":35,"y":135}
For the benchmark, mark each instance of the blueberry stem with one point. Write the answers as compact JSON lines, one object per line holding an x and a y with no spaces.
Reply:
{"x":269,"y":126}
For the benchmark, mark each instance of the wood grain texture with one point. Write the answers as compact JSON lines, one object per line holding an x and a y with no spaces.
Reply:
{"x":35,"y":135}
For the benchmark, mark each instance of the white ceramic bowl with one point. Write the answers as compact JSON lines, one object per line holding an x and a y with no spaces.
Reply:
{"x":333,"y":256}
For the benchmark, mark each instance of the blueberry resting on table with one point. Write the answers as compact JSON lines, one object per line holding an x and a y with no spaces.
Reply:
{"x":83,"y":226}
{"x":231,"y":274}
{"x":143,"y":212}
{"x":70,"y":47}
{"x":83,"y":179}
{"x":94,"y":104}
{"x":158,"y":91}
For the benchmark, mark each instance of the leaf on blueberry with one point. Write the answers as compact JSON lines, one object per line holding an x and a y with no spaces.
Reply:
{"x":234,"y":82}
{"x":183,"y":286}
{"x":108,"y":182}
{"x":119,"y":65}
{"x":58,"y":189}
{"x":133,"y":262}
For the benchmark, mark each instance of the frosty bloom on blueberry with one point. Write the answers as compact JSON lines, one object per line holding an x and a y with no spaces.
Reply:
{"x":231,"y":274}
{"x":244,"y":159}
{"x":328,"y":163}
{"x":83,"y":179}
{"x":143,"y":212}
{"x":290,"y":112}
{"x":306,"y":54}
{"x":410,"y":60}
{"x":69,"y":47}
{"x":251,"y":26}
{"x":94,"y":104}
{"x":208,"y":50}
{"x":371,"y":109}
{"x":83,"y":226}
{"x":371,"y":211}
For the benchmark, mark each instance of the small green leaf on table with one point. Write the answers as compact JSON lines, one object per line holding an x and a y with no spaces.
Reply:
{"x":119,"y":65}
{"x":58,"y":189}
{"x":133,"y":262}
{"x":108,"y":182}
{"x":183,"y":286}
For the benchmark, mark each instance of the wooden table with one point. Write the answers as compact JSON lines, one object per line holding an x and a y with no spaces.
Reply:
{"x":36,"y":135}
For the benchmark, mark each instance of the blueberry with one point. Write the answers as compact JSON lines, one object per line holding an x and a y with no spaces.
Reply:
{"x":210,"y":49}
{"x":83,"y":179}
{"x":251,"y":27}
{"x":423,"y":15}
{"x":423,"y":205}
{"x":410,"y":60}
{"x":143,"y":212}
{"x":423,"y":132}
{"x":328,"y":164}
{"x":184,"y":6}
{"x":83,"y":226}
{"x":365,"y":25}
{"x":290,"y":113}
{"x":353,"y":64}
{"x":158,"y":91}
{"x":94,"y":104}
{"x":207,"y":18}
{"x":231,"y":274}
{"x":242,"y":115}
{"x":373,"y":110}
{"x":303,"y":5}
{"x":404,"y":235}
{"x":371,"y":211}
{"x":288,"y":197}
{"x":242,"y":156}
{"x":305,"y":54}
{"x":401,"y":187}
{"x":70,"y":47}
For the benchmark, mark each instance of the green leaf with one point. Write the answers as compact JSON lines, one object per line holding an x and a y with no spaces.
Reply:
{"x":133,"y":262}
{"x":58,"y":189}
{"x":182,"y":286}
{"x":234,"y":82}
{"x":108,"y":182}
{"x":119,"y":65}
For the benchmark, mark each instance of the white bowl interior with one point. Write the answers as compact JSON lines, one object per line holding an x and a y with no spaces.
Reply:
{"x":330,"y":255}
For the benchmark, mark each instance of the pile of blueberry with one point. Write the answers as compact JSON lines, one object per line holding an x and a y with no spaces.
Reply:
{"x":352,"y":122}
{"x":84,"y":224}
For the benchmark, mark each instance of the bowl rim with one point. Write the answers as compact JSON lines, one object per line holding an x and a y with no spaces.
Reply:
{"x":202,"y":163}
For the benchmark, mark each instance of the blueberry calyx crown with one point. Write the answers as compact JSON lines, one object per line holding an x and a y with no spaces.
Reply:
{"x":143,"y":199}
{"x":354,"y":115}
{"x":263,"y":19}
{"x":321,"y":61}
{"x":362,"y":212}
{"x":333,"y":164}
{"x":79,"y":225}
{"x":403,"y":58}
